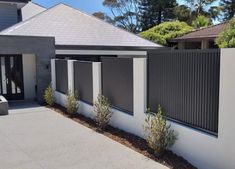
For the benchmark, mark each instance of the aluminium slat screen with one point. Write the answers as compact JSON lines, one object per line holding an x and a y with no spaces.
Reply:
{"x":117,"y":82}
{"x":61,"y":68}
{"x":186,"y":84}
{"x":83,"y":81}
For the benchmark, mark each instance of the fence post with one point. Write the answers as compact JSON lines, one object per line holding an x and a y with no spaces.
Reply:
{"x":53,"y":75}
{"x":96,"y":71}
{"x":140,"y":91}
{"x":71,"y":75}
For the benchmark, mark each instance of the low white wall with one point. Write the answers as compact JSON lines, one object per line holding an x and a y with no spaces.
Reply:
{"x":29,"y":72}
{"x":202,"y":150}
{"x":121,"y":120}
{"x":60,"y":98}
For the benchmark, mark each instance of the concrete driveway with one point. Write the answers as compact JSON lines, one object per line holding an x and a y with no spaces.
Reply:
{"x":34,"y":137}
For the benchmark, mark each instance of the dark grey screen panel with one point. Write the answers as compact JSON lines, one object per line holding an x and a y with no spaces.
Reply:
{"x":61,"y":68}
{"x":117,"y":82}
{"x":186,"y":84}
{"x":83,"y":80}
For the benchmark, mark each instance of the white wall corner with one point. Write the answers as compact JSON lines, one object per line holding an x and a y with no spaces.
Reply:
{"x":53,"y":75}
{"x":96,"y":71}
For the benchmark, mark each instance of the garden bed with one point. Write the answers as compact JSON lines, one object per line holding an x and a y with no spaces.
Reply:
{"x":134,"y":142}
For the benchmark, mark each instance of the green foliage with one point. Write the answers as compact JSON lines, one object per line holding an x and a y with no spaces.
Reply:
{"x":49,"y":95}
{"x":160,"y":135}
{"x":162,"y":33}
{"x":71,"y":102}
{"x":226,"y":38}
{"x":102,"y":112}
{"x":201,"y":21}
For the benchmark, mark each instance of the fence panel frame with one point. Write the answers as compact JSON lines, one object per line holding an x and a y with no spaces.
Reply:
{"x":65,"y":85}
{"x":177,"y":52}
{"x":77,"y":65}
{"x":130,"y":103}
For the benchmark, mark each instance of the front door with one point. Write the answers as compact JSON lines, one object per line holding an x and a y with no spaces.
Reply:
{"x":11,"y":77}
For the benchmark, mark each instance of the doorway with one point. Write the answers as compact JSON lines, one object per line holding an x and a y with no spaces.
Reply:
{"x":11,"y":77}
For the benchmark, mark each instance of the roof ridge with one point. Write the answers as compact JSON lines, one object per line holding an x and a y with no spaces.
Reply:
{"x":38,"y":4}
{"x":28,"y":20}
{"x":91,"y":16}
{"x":58,"y":20}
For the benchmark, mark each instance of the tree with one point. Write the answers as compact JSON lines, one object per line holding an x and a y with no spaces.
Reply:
{"x":125,"y":14}
{"x":183,"y":14}
{"x":227,"y":8}
{"x":103,"y":16}
{"x":154,"y":12}
{"x":99,"y":15}
{"x":226,"y":38}
{"x":166,"y":31}
{"x":201,"y":21}
{"x":199,"y":7}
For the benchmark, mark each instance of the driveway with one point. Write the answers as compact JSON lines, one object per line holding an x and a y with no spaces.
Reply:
{"x":34,"y":137}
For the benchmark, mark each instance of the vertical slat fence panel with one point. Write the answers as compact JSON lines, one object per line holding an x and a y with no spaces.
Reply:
{"x":61,"y":68}
{"x":186,"y":84}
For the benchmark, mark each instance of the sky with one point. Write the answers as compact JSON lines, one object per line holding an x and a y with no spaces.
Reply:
{"x":88,"y":6}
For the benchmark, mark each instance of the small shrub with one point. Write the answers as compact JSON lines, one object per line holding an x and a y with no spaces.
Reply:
{"x":102,"y":112}
{"x":49,"y":96}
{"x":71,"y":102}
{"x":160,"y":135}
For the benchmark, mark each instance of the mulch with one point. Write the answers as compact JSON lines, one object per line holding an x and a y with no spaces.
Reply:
{"x":168,"y":158}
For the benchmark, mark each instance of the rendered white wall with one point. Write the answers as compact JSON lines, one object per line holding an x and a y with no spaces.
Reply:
{"x":29,"y":74}
{"x":202,"y":150}
{"x":53,"y":75}
{"x":70,"y":75}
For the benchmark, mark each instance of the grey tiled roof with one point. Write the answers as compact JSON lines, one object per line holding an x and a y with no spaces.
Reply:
{"x":69,"y":26}
{"x":31,"y":9}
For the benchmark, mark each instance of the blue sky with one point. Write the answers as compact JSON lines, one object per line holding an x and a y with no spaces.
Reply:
{"x":88,"y":6}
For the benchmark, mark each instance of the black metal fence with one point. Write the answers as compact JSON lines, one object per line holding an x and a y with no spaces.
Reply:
{"x":61,"y":69}
{"x":83,"y":80}
{"x":186,"y":84}
{"x":117,"y":82}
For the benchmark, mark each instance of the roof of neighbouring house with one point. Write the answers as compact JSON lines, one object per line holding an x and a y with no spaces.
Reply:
{"x":70,"y":26}
{"x":207,"y":32}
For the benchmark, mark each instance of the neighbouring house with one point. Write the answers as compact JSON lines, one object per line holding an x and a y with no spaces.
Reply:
{"x":203,"y":38}
{"x":32,"y":35}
